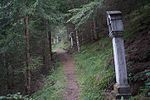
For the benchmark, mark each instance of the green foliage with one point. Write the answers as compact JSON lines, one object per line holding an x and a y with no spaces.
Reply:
{"x":47,"y":9}
{"x":16,"y":96}
{"x":139,"y":97}
{"x":35,"y":63}
{"x":12,"y":44}
{"x":139,"y":20}
{"x":63,"y":45}
{"x":81,"y":15}
{"x":142,"y":76}
{"x":54,"y":86}
{"x":60,"y":31}
{"x":94,"y":72}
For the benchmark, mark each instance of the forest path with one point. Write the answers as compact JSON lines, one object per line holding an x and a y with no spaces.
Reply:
{"x":72,"y":90}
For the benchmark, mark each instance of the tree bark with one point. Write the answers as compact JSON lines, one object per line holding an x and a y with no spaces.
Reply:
{"x":91,"y":31}
{"x":44,"y":50}
{"x":49,"y":42}
{"x":94,"y":29}
{"x":6,"y":66}
{"x":77,"y":40}
{"x":46,"y":45}
{"x":28,"y":59}
{"x":50,"y":45}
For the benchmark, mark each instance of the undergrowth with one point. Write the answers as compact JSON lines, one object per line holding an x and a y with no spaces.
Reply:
{"x":93,"y":69}
{"x":63,"y":44}
{"x":137,"y":22}
{"x":54,"y":86}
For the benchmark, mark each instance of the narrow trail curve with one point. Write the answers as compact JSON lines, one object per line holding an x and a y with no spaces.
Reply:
{"x":72,"y":90}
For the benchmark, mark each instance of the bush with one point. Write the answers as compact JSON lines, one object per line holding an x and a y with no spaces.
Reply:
{"x":16,"y":96}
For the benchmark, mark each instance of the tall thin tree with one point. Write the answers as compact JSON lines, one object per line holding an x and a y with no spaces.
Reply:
{"x":27,"y":51}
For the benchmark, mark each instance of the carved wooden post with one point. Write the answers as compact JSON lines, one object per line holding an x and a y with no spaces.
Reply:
{"x":71,"y":39}
{"x":114,"y":21}
{"x":57,"y":38}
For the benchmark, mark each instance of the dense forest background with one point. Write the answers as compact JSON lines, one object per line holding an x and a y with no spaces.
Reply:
{"x":30,"y":30}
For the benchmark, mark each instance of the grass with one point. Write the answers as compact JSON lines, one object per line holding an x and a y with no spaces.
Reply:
{"x":54,"y":86}
{"x":64,"y":44}
{"x":93,"y":69}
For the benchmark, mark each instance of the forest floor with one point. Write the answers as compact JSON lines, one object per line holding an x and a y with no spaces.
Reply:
{"x":71,"y":91}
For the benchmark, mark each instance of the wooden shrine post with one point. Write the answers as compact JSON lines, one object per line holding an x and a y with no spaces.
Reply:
{"x":115,"y":24}
{"x":71,"y":39}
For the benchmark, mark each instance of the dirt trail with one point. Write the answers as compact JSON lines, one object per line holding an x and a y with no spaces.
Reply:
{"x":72,"y":90}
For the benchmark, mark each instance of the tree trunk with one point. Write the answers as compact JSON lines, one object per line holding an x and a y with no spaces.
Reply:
{"x":82,"y":38}
{"x":6,"y":66}
{"x":28,"y":59}
{"x":49,"y":43}
{"x":9,"y":73}
{"x":94,"y":29}
{"x":77,"y":40}
{"x":46,"y":45}
{"x":43,"y":50}
{"x":91,"y":31}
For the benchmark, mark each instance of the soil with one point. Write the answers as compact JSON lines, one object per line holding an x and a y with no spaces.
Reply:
{"x":71,"y":91}
{"x":138,"y":59}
